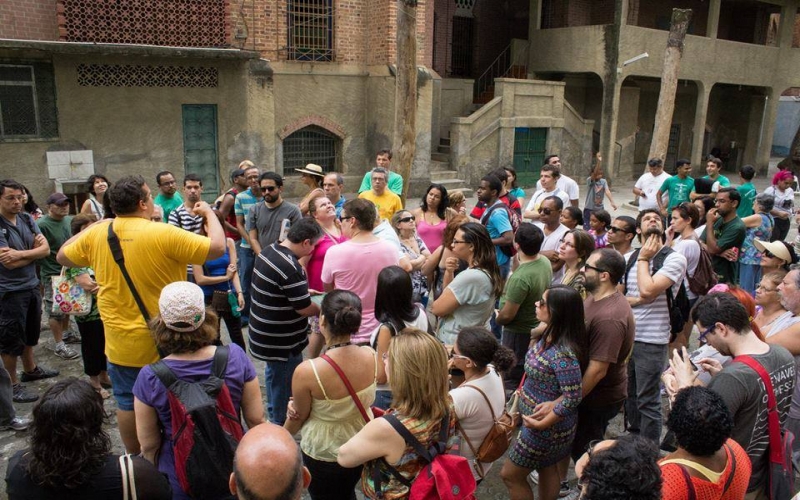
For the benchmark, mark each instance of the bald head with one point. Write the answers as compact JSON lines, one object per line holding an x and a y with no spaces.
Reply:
{"x":268,"y":465}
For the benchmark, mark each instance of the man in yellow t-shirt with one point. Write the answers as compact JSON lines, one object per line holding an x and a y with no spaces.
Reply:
{"x":385,"y":201}
{"x":155,"y":255}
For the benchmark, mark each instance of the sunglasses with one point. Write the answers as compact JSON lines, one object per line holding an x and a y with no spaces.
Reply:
{"x":269,"y":189}
{"x":771,"y":255}
{"x":407,"y":219}
{"x":615,"y":229}
{"x":545,"y":211}
{"x":596,"y":269}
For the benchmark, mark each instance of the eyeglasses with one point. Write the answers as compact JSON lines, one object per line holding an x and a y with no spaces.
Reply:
{"x":545,"y":211}
{"x":563,"y":241}
{"x":615,"y":229}
{"x":345,"y":218}
{"x":706,"y":333}
{"x":407,"y":219}
{"x":269,"y":189}
{"x":452,"y":355}
{"x":459,"y":241}
{"x":596,"y":269}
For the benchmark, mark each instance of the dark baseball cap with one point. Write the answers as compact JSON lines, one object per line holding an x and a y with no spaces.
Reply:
{"x":237,"y":173}
{"x":56,"y":199}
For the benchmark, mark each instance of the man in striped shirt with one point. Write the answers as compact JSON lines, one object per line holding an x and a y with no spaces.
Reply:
{"x":646,"y":293}
{"x":279,"y":311}
{"x":183,"y":216}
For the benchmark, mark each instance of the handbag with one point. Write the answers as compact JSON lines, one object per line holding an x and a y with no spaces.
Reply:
{"x":780,"y":472}
{"x":497,"y":440}
{"x":512,"y":408}
{"x":128,"y":479}
{"x":219,"y":301}
{"x":69,"y":297}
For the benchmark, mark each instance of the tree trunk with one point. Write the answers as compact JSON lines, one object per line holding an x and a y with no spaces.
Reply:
{"x":669,"y":82}
{"x":405,"y":116}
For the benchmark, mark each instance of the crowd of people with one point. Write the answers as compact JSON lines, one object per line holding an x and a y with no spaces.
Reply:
{"x":387,"y":330}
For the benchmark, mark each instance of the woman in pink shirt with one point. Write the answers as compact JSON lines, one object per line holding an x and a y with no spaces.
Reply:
{"x":355,"y":264}
{"x":432,"y":216}
{"x":324,"y":213}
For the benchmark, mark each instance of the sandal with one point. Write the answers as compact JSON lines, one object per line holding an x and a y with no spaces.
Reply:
{"x":103,"y":393}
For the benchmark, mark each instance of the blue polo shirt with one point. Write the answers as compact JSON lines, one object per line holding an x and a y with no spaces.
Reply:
{"x":18,"y":236}
{"x":497,"y":224}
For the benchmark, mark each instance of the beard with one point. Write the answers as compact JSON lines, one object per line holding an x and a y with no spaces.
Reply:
{"x":651,"y":231}
{"x":591,"y":285}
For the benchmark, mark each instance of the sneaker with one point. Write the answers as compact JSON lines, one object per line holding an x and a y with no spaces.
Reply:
{"x":573,"y":495}
{"x":16,"y":424}
{"x":22,"y":395}
{"x":63,"y":351}
{"x":533,"y":477}
{"x":565,"y":489}
{"x":72,"y":338}
{"x":38,"y":373}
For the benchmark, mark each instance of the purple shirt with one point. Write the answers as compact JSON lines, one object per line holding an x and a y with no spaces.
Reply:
{"x":149,"y":390}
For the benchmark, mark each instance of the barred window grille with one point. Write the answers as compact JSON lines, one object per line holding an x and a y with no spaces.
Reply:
{"x":128,"y":75}
{"x":310,"y":30}
{"x":178,"y":23}
{"x":27,"y":101}
{"x":311,"y":144}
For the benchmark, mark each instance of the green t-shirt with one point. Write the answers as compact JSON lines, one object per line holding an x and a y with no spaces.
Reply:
{"x":395,"y":183}
{"x":723,"y":181}
{"x":678,"y":190}
{"x":168,"y":204}
{"x":57,"y":232}
{"x":748,"y":193}
{"x":730,"y":235}
{"x":525,"y":286}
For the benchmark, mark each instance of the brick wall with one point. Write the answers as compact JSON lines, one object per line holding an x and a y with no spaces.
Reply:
{"x":28,"y":19}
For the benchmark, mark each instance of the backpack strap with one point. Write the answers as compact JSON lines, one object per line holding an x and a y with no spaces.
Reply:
{"x":349,"y":386}
{"x":733,"y":470}
{"x":775,"y":448}
{"x":119,"y":258}
{"x":689,"y":485}
{"x":409,"y":437}
{"x":220,"y":364}
{"x":494,"y":419}
{"x":628,"y":266}
{"x":164,"y":373}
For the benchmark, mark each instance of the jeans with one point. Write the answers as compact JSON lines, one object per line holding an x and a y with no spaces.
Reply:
{"x":7,"y":412}
{"x":592,"y":425}
{"x":643,"y":406}
{"x":246,"y":261}
{"x":749,"y":276}
{"x":278,"y":375}
{"x":383,"y":400}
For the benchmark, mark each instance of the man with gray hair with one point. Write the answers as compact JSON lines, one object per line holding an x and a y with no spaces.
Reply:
{"x":333,"y":185}
{"x":268,"y":466}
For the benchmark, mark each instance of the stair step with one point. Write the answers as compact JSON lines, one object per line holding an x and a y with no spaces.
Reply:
{"x":444,"y":141}
{"x":443,"y":175}
{"x":440,"y":157}
{"x":439,"y":166}
{"x":443,"y":149}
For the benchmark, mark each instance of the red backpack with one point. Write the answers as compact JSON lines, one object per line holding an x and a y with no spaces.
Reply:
{"x":205,"y":428}
{"x":446,"y":477}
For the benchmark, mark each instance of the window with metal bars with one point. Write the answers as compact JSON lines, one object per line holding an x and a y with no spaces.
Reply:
{"x":462,"y":47}
{"x":27,"y":101}
{"x":310,"y":30}
{"x":311,"y":144}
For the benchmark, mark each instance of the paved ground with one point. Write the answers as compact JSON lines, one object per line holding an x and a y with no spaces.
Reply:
{"x":491,"y":488}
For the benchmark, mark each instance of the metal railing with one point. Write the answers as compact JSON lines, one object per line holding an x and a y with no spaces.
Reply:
{"x":508,"y":63}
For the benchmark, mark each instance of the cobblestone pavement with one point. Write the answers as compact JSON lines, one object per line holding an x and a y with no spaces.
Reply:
{"x":491,"y":488}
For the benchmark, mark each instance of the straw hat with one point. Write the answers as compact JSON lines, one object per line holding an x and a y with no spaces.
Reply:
{"x":312,"y":169}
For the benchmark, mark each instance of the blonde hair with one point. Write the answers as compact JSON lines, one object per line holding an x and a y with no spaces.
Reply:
{"x":418,"y":375}
{"x":456,"y":198}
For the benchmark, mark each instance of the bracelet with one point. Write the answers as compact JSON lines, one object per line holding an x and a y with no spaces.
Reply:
{"x":239,"y":292}
{"x":642,"y":260}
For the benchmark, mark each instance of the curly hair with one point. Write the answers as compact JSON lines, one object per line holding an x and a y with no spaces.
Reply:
{"x":68,"y":443}
{"x":480,"y":345}
{"x":171,"y":342}
{"x":628,"y":470}
{"x":700,"y":420}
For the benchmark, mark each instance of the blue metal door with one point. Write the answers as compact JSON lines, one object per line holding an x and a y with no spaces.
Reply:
{"x":200,"y":146}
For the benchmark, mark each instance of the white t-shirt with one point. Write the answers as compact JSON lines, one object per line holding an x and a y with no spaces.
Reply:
{"x":566,"y":184}
{"x":551,"y":242}
{"x":650,"y":184}
{"x":475,"y":416}
{"x":784,"y":200}
{"x":541,"y":195}
{"x":691,"y":250}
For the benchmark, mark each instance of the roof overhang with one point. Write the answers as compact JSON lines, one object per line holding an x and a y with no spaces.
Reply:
{"x":80,"y":48}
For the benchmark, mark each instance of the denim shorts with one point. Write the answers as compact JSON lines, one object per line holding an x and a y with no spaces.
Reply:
{"x":123,"y":378}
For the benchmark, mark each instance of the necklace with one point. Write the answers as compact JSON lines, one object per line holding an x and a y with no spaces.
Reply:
{"x":341,"y":344}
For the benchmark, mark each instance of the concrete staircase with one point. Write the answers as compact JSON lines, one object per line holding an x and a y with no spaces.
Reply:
{"x":441,"y":172}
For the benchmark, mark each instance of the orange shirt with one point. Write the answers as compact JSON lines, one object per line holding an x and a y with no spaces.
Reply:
{"x":676,"y":488}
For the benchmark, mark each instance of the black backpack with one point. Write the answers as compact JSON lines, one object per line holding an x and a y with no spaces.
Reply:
{"x":205,"y":428}
{"x":677,"y":305}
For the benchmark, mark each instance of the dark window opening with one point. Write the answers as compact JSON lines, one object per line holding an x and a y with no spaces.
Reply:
{"x":462,"y":47}
{"x":310,"y":145}
{"x":27,"y":101}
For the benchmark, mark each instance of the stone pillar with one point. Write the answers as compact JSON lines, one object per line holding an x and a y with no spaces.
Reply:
{"x":770,"y":116}
{"x":609,"y":118}
{"x":699,"y":129}
{"x":712,"y":26}
{"x":786,"y":28}
{"x":535,"y":17}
